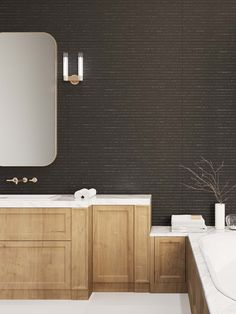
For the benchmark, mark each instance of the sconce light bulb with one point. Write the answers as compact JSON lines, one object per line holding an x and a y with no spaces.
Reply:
{"x":65,"y":66}
{"x":80,"y":66}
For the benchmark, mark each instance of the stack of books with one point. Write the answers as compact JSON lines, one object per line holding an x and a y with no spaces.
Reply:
{"x":188,"y":223}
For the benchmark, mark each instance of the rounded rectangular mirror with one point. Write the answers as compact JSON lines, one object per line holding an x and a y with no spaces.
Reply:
{"x":28,"y":99}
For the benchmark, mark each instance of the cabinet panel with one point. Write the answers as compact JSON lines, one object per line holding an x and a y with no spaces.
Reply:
{"x":142,"y":244}
{"x":35,"y":265}
{"x":81,"y":264}
{"x":35,"y":224}
{"x":113,"y":244}
{"x":170,"y":259}
{"x":195,"y":291}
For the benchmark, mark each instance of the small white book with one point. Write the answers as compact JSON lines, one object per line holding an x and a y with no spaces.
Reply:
{"x":188,"y":222}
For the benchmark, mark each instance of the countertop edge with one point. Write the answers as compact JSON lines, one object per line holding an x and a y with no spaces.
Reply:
{"x":68,"y":201}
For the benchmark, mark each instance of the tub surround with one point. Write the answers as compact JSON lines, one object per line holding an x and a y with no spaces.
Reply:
{"x":221,"y":266}
{"x":216,"y":301}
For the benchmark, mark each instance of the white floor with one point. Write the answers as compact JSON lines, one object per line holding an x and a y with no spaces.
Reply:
{"x":104,"y":303}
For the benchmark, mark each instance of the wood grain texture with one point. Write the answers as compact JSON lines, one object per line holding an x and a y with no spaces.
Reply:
{"x":35,"y":224}
{"x":195,"y":290}
{"x":142,"y":217}
{"x":35,"y":265}
{"x":32,"y":294}
{"x":113,"y":287}
{"x":48,"y":269}
{"x":170,"y":259}
{"x":113,"y":244}
{"x":81,"y":266}
{"x":168,"y":265}
{"x":158,"y":91}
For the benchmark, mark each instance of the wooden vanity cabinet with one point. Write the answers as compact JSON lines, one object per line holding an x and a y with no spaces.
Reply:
{"x":66,"y":253}
{"x":168,"y":264}
{"x":45,"y":253}
{"x":121,"y":247}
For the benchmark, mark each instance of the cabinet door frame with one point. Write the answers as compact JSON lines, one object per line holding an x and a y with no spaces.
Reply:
{"x":53,"y":245}
{"x":163,"y":256}
{"x":98,"y":277}
{"x":35,"y":224}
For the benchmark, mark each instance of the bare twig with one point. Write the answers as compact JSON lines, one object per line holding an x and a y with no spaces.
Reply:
{"x":196,"y":175}
{"x":197,"y":189}
{"x":206,"y":177}
{"x":229,"y":190}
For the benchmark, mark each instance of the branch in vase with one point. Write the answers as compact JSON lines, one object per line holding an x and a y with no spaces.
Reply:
{"x":207,"y":178}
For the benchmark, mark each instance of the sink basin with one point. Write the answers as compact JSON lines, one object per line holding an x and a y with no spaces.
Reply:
{"x":41,"y":197}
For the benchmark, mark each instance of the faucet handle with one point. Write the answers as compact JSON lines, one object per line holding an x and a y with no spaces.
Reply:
{"x":24,"y":180}
{"x":34,"y":180}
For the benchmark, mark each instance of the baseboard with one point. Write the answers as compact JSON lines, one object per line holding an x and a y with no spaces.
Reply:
{"x":142,"y":287}
{"x":113,"y":287}
{"x":30,"y":294}
{"x":80,"y":294}
{"x":168,"y":287}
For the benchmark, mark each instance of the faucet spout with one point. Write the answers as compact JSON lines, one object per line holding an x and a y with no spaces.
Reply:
{"x":14,"y":180}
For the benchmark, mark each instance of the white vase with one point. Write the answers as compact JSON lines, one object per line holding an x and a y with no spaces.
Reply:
{"x":220,"y":216}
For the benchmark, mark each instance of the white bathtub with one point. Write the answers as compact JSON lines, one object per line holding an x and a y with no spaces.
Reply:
{"x":219,"y":251}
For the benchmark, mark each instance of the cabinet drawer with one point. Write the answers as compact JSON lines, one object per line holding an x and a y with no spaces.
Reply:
{"x":35,"y":265}
{"x":35,"y":224}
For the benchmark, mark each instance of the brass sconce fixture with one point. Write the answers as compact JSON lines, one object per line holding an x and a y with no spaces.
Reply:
{"x":75,"y":78}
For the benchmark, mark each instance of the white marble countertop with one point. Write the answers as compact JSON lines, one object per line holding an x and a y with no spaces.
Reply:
{"x":165,"y":231}
{"x":68,"y":200}
{"x":217,"y":302}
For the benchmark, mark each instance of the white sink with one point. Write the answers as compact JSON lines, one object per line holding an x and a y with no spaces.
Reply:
{"x":23,"y":197}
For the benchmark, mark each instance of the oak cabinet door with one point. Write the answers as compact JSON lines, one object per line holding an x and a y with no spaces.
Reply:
{"x":35,"y":265}
{"x":170,"y":259}
{"x":112,"y":244}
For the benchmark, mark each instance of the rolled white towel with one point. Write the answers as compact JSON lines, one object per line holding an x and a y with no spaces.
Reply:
{"x":92,"y":192}
{"x":85,"y":194}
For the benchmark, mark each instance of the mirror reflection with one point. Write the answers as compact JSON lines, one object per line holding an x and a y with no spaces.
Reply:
{"x":28,"y":99}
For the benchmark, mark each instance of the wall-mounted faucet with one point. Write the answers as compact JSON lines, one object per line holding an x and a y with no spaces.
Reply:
{"x":15,"y":180}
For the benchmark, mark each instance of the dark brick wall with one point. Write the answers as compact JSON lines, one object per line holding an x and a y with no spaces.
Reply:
{"x":158,"y":91}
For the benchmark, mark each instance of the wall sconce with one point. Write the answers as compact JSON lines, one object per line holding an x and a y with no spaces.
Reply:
{"x":73,"y":79}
